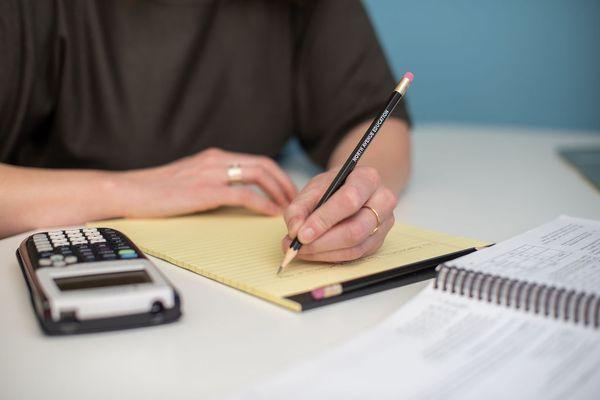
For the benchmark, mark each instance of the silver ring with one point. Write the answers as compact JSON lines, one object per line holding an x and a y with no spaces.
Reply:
{"x":234,"y":174}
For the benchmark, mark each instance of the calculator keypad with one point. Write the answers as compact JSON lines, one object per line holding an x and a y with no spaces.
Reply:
{"x":66,"y":247}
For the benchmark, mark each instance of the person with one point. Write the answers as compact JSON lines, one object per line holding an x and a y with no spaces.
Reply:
{"x":149,"y":108}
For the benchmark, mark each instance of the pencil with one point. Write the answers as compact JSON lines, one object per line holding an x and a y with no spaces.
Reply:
{"x":354,"y":157}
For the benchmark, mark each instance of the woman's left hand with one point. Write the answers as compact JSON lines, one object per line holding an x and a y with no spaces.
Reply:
{"x":345,"y":227}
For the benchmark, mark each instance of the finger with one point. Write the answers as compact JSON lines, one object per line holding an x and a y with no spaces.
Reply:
{"x":245,"y":197}
{"x":350,"y":232}
{"x":299,"y":210}
{"x":366,"y":248}
{"x":280,"y":176}
{"x":358,"y":188}
{"x":268,"y":164}
{"x":261,"y":177}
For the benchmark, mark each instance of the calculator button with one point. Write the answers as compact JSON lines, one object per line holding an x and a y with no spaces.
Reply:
{"x":70,"y":259}
{"x":97,"y":241}
{"x":45,"y":254}
{"x":127,"y":253}
{"x":44,"y":262}
{"x":39,"y":236}
{"x":108,"y":256}
{"x":43,"y":248}
{"x":134,"y":255}
{"x":59,"y":264}
{"x":57,"y":257}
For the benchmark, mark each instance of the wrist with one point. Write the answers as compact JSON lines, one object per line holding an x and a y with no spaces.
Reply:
{"x":112,"y":194}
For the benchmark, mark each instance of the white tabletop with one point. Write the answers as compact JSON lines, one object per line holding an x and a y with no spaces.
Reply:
{"x":479,"y":182}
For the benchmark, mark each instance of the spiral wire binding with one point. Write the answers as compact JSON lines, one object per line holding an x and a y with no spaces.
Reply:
{"x":549,"y":301}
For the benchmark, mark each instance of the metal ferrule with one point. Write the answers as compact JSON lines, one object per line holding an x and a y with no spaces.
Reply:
{"x":332,"y":290}
{"x":403,"y":86}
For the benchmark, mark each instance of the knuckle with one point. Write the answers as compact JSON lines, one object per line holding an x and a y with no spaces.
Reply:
{"x":268,"y":161}
{"x":293,"y":210}
{"x":351,"y":197}
{"x":389,"y":197}
{"x":211,"y":151}
{"x":371,"y":174}
{"x":289,"y":213}
{"x":358,"y":231}
{"x":392,"y":220}
{"x":211,"y":154}
{"x":356,"y":252}
{"x":320,"y":222}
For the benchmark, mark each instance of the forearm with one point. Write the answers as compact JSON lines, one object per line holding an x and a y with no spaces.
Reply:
{"x":34,"y":197}
{"x":389,"y":152}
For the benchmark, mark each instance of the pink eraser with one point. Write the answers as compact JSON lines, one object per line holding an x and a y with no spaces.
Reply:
{"x":318,"y":294}
{"x":409,"y":76}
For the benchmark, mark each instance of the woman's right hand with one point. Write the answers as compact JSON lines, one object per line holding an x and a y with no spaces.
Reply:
{"x":200,"y":182}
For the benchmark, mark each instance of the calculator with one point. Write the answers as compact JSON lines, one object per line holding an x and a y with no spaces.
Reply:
{"x":94,"y":279}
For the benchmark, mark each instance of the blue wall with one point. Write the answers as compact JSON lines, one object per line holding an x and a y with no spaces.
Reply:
{"x":508,"y":62}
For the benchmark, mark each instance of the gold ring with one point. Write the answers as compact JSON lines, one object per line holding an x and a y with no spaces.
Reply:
{"x":234,"y":174}
{"x":376,"y":214}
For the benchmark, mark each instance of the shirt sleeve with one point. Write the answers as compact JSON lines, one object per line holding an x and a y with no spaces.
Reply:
{"x":342,"y":76}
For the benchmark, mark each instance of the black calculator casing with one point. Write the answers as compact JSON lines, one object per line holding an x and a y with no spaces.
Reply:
{"x":68,"y":324}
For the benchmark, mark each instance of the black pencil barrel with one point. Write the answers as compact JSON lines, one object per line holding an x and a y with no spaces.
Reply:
{"x":355,"y":156}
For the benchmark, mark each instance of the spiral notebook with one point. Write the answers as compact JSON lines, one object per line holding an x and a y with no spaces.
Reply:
{"x":518,"y":320}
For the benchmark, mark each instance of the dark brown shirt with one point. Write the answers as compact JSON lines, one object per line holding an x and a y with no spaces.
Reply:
{"x":119,"y":84}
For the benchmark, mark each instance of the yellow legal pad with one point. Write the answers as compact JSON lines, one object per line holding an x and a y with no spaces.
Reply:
{"x":243,"y":250}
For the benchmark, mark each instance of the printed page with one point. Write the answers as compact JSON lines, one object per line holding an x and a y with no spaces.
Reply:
{"x":441,"y":346}
{"x":243,"y":250}
{"x":563,"y":253}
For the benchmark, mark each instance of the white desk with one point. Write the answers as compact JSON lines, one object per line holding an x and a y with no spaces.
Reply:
{"x":488,"y":184}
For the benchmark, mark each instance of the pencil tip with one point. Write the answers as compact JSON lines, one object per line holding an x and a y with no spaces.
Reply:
{"x":289,"y":256}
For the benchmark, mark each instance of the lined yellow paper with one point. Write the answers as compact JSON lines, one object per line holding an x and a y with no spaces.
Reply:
{"x":243,"y":250}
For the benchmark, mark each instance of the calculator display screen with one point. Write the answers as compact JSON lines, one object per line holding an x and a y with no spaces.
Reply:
{"x":102,"y":280}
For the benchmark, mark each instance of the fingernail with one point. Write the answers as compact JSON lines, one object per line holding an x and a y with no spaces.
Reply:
{"x":306,"y":235}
